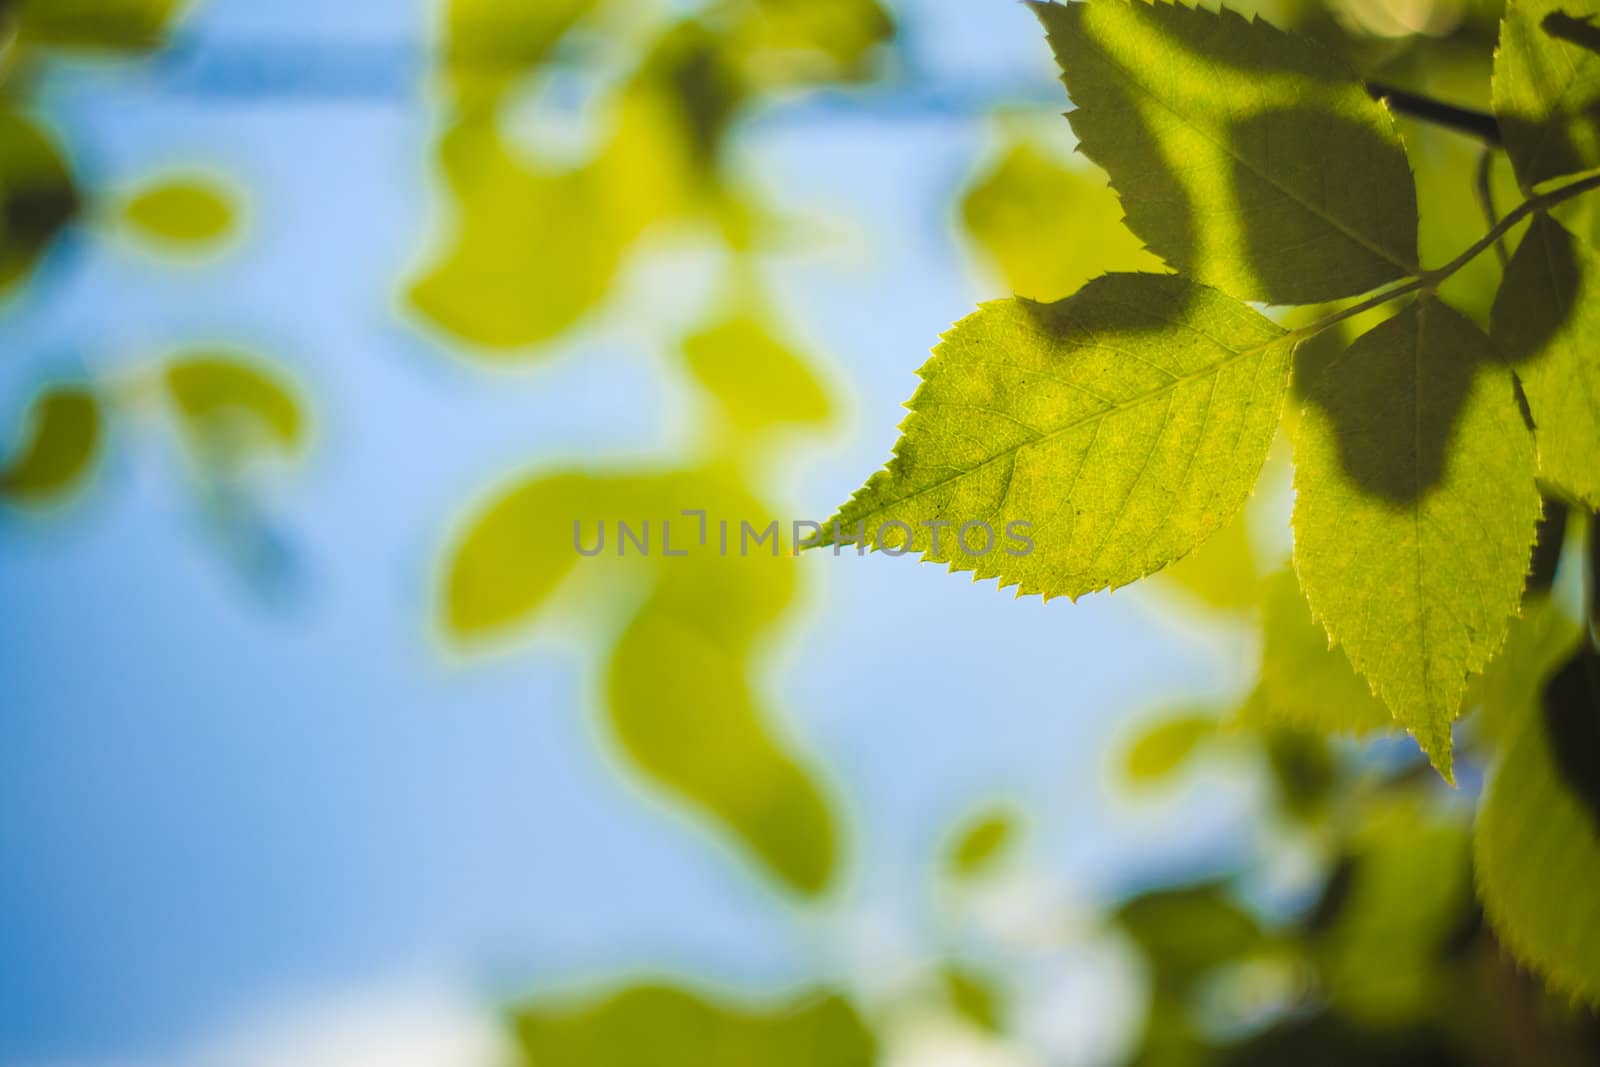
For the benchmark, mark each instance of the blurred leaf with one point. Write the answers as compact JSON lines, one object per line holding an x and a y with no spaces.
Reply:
{"x":659,"y":1026}
{"x":99,"y":25}
{"x":1547,"y":321}
{"x":227,"y":401}
{"x":532,"y":250}
{"x":1126,"y":424}
{"x":1305,"y":682}
{"x":181,"y":211}
{"x":678,"y":690}
{"x":1382,"y":955}
{"x":489,"y":44}
{"x":759,"y":381}
{"x":799,"y":41}
{"x":1415,"y":510}
{"x":1247,"y":158}
{"x":1162,"y":750}
{"x":1189,"y":931}
{"x":59,"y":448}
{"x":1221,"y":574}
{"x":37,"y":196}
{"x":1535,"y":646}
{"x":1302,"y":768}
{"x":982,"y":843}
{"x":1537,"y":841}
{"x":1547,"y":87}
{"x":974,"y":998}
{"x":1048,"y":227}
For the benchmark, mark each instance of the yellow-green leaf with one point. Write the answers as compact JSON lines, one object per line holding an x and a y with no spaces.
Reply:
{"x":37,"y":196}
{"x":662,"y":1026}
{"x":489,"y":44}
{"x":58,"y":448}
{"x":1547,"y":321}
{"x":1049,"y":227}
{"x":98,"y":25}
{"x":181,"y":211}
{"x":1537,"y":841}
{"x":1305,"y":682}
{"x":1247,"y":158}
{"x":1085,"y":443}
{"x":228,"y":400}
{"x":1547,"y":87}
{"x":982,"y":843}
{"x":1159,"y":752}
{"x":758,"y":380}
{"x":1415,"y":509}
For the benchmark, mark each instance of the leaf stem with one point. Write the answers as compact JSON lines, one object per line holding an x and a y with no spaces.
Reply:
{"x":1462,"y":120}
{"x":1431,"y":279}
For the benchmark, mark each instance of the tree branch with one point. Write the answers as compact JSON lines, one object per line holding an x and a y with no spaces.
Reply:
{"x":1463,"y":120}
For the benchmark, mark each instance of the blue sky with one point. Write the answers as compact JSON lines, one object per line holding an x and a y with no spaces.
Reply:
{"x":215,"y":798}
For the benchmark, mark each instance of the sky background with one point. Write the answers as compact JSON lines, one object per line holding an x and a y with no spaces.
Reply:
{"x":221,"y":794}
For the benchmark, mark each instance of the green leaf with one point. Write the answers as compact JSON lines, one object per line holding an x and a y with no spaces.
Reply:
{"x":489,"y":44}
{"x":1188,"y":932}
{"x":227,"y":401}
{"x":1547,"y":87}
{"x":1305,"y":682}
{"x":37,"y":196}
{"x":181,"y":211}
{"x":759,"y":381}
{"x":1247,"y":158}
{"x":59,"y":447}
{"x":1537,"y":841}
{"x":1221,"y":574}
{"x":1049,"y":227}
{"x":661,"y":1026}
{"x":97,"y":25}
{"x":982,"y":843}
{"x":974,"y":998}
{"x":679,"y":694}
{"x":1547,"y":321}
{"x":1097,"y":439}
{"x":1415,"y":510}
{"x":1159,"y":752}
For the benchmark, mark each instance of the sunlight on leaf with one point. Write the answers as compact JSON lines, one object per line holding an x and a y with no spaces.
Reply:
{"x":489,"y":44}
{"x":1121,"y":426}
{"x":181,"y":211}
{"x":37,"y":196}
{"x":1247,"y":158}
{"x":1547,"y":87}
{"x":1415,"y":510}
{"x":1049,"y":227}
{"x":663,"y":1026}
{"x":1547,"y":322}
{"x":58,"y":448}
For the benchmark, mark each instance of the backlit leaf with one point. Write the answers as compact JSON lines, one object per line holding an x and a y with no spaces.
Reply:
{"x":1304,"y":682}
{"x":1096,"y":439}
{"x":662,"y":1026}
{"x":1247,"y":158}
{"x":1547,"y":87}
{"x":100,"y":25}
{"x":1162,"y":750}
{"x":489,"y":44}
{"x":1415,"y":509}
{"x":981,"y":843}
{"x":758,"y":380}
{"x":1049,"y":227}
{"x":58,"y":447}
{"x":181,"y":211}
{"x":1537,"y":841}
{"x":228,"y":401}
{"x":37,"y":196}
{"x":1547,"y":321}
